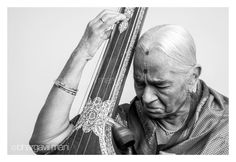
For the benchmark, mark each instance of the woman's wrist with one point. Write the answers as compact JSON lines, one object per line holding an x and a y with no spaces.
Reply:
{"x":84,"y":50}
{"x":73,"y":69}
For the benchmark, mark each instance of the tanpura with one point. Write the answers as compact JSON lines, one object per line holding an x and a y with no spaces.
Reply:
{"x":95,"y":131}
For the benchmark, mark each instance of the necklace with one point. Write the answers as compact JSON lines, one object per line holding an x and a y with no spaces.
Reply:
{"x":167,"y":132}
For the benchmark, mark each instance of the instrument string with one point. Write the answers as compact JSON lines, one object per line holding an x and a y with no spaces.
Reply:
{"x":116,"y":63}
{"x":94,"y":75}
{"x":102,"y":83}
{"x":92,"y":78}
{"x":104,"y":79}
{"x":112,"y":36}
{"x":96,"y":95}
{"x":107,"y":67}
{"x":123,"y":56}
{"x":90,"y":84}
{"x":110,"y":77}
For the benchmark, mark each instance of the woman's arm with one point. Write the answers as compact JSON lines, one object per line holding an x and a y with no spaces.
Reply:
{"x":52,"y":125}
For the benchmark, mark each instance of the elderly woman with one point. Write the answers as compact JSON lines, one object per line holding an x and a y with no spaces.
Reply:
{"x":174,"y":111}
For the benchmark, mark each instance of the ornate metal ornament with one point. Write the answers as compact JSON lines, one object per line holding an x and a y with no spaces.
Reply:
{"x":94,"y":116}
{"x":124,"y":24}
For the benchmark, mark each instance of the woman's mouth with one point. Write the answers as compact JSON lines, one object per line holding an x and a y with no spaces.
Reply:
{"x":155,"y":110}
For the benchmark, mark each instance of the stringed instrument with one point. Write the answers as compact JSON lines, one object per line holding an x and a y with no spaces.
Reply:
{"x":92,"y":133}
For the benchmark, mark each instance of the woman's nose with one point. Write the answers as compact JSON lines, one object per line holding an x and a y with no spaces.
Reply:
{"x":148,"y":95}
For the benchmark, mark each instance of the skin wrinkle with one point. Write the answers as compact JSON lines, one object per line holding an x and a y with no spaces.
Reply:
{"x":152,"y":70}
{"x":166,"y":102}
{"x":145,"y":57}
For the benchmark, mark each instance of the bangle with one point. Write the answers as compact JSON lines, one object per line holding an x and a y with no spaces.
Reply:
{"x":65,"y":88}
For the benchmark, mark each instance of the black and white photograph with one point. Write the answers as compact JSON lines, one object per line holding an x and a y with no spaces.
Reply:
{"x":143,"y":80}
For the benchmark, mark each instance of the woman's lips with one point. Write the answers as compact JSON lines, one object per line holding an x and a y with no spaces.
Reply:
{"x":155,"y":110}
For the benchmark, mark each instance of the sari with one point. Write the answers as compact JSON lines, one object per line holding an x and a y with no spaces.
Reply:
{"x":205,"y":130}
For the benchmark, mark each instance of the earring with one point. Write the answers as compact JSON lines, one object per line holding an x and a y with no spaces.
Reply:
{"x":193,"y":88}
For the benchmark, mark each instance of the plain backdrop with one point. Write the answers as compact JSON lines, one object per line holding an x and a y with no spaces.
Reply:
{"x":40,"y":40}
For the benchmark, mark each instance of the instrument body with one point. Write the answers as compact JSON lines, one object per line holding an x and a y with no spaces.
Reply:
{"x":92,"y":134}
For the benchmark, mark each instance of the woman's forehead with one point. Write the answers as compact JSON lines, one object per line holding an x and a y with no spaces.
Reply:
{"x":153,"y":57}
{"x":154,"y":64}
{"x":147,"y":65}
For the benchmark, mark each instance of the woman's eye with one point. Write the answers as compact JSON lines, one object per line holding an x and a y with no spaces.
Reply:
{"x":162,"y":87}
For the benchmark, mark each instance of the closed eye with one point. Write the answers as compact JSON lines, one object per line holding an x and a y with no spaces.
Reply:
{"x":162,"y":87}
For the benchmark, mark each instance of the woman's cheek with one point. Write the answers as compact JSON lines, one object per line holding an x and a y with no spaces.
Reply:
{"x":166,"y":95}
{"x":180,"y":98}
{"x":164,"y":99}
{"x":169,"y":99}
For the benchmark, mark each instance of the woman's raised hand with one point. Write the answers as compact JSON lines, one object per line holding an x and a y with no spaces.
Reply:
{"x":98,"y":30}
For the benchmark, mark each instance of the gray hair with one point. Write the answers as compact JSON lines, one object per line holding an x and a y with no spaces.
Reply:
{"x":175,"y":42}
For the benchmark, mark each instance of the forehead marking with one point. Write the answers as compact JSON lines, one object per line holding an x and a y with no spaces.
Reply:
{"x":145,"y":70}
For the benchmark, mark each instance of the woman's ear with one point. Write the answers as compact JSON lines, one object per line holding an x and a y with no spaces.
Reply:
{"x":195,"y":72}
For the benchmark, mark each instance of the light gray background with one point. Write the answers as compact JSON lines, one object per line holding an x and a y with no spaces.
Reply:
{"x":40,"y":40}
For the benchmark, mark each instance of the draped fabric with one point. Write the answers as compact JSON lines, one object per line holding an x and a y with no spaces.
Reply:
{"x":204,"y":132}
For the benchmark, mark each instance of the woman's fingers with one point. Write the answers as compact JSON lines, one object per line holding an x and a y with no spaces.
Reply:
{"x":107,"y":34}
{"x":106,"y":19}
{"x":111,"y":21}
{"x":102,"y":24}
{"x":99,"y":29}
{"x":104,"y":15}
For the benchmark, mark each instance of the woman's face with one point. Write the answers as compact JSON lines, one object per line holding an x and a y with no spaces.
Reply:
{"x":161,"y":89}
